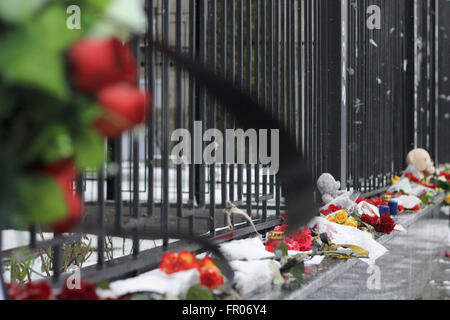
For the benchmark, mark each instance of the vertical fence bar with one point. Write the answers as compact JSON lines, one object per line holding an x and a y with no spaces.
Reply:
{"x":179,"y":108}
{"x":232,"y":76}
{"x":101,"y":218}
{"x":212,"y":122}
{"x":224,"y":57}
{"x":248,"y":170}
{"x":201,"y":110}
{"x":166,"y":127}
{"x":192,"y":113}
{"x":267,"y":76}
{"x":240,"y":80}
{"x":149,"y":69}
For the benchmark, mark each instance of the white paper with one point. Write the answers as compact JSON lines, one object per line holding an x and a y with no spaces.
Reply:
{"x":249,"y":275}
{"x":340,"y":234}
{"x":367,"y":208}
{"x":246,"y":249}
{"x":2,"y":294}
{"x":408,"y":202}
{"x":157,"y":281}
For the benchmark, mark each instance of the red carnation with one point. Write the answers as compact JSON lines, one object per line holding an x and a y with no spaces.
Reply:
{"x":282,"y":228}
{"x":211,"y":277}
{"x":372,"y":220}
{"x":97,"y":63}
{"x":64,"y":173}
{"x":125,"y":106}
{"x":31,"y":291}
{"x":87,"y":291}
{"x":168,"y":262}
{"x":172,"y":262}
{"x":385,"y":224}
{"x":300,"y":240}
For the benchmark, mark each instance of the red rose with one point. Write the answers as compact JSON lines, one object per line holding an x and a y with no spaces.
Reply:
{"x":334,"y":208}
{"x":64,"y":173}
{"x":325,"y":212}
{"x":88,"y":291}
{"x":282,"y":228}
{"x":186,"y":261}
{"x":372,"y":220}
{"x":211,"y":277}
{"x":416,"y":208}
{"x":168,"y":262}
{"x":385,"y":224}
{"x":14,"y":290}
{"x":125,"y":106}
{"x":31,"y":291}
{"x":172,"y":262}
{"x":97,"y":63}
{"x":300,"y":240}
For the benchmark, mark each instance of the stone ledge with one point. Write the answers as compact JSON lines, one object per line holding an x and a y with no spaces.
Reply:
{"x":405,"y":267}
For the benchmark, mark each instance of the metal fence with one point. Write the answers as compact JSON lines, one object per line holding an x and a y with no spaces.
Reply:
{"x":356,"y":99}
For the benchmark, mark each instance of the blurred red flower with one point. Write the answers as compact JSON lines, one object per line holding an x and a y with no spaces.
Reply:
{"x":30,"y":291}
{"x":300,"y":240}
{"x":97,"y":63}
{"x":124,"y":105}
{"x":384,"y":224}
{"x":87,"y":291}
{"x":211,"y":277}
{"x":64,"y":173}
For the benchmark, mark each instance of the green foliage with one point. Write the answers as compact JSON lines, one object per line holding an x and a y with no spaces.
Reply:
{"x":298,"y":270}
{"x":42,"y":119}
{"x":199,"y":293}
{"x":17,"y":11}
{"x":284,"y":249}
{"x":41,"y":199}
{"x":33,"y":52}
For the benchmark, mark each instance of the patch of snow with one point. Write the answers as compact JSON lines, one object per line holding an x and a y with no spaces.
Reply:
{"x":342,"y":235}
{"x":246,"y":249}
{"x":250,"y":275}
{"x":157,"y":281}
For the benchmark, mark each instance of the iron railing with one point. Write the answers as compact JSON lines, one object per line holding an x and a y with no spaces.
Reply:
{"x":352,"y":97}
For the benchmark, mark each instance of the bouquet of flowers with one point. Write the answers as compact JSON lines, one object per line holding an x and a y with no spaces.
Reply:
{"x":63,"y":90}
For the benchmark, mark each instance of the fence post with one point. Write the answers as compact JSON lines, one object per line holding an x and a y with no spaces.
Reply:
{"x":334,"y":25}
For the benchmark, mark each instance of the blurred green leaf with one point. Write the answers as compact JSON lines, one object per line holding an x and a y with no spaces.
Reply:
{"x":16,"y":11}
{"x":284,"y":249}
{"x":42,"y":201}
{"x":298,"y":270}
{"x":199,"y":293}
{"x":89,"y":149}
{"x":104,"y":285}
{"x":33,"y":53}
{"x":53,"y":144}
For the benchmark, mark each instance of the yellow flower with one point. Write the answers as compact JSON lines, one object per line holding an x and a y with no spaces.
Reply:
{"x":351,"y":222}
{"x":341,"y":217}
{"x":447,"y":198}
{"x":331,"y":219}
{"x":439,"y":190}
{"x":395,"y":180}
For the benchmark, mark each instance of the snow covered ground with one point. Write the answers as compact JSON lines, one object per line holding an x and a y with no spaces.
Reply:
{"x":90,"y":193}
{"x":121,"y":247}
